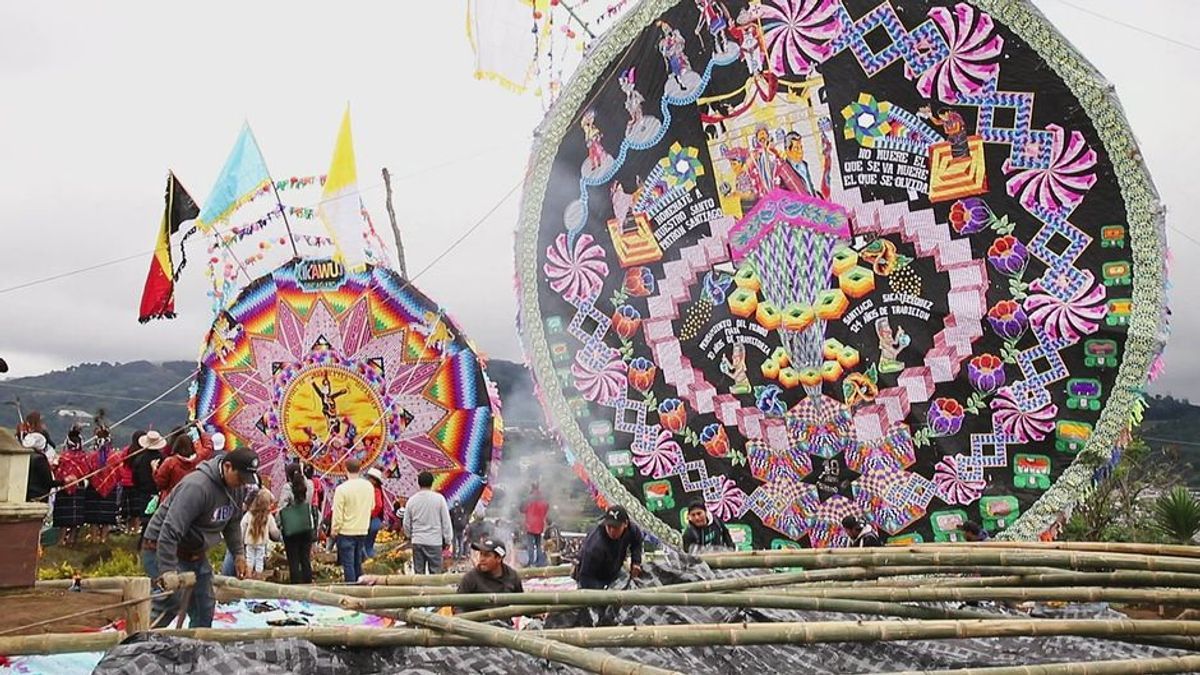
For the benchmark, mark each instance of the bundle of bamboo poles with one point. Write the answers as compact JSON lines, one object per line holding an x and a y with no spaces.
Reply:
{"x":883,"y":582}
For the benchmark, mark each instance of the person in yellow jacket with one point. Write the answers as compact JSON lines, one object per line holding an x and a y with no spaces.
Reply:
{"x":352,"y":504}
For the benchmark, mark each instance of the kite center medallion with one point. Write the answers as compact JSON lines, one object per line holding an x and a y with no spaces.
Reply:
{"x":327,"y":410}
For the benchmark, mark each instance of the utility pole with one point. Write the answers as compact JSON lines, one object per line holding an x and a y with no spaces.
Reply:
{"x":387,"y":184}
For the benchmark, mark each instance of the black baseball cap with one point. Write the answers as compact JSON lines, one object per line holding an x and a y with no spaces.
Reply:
{"x":490,"y":546}
{"x":616,"y":515}
{"x":245,"y":462}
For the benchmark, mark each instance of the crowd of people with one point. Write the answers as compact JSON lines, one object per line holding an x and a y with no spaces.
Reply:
{"x":99,"y":485}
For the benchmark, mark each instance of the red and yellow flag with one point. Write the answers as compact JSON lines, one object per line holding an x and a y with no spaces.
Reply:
{"x":158,"y":296}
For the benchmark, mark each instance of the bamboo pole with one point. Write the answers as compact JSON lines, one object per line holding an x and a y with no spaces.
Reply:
{"x":710,"y":585}
{"x":1128,"y":578}
{"x":1184,"y":551}
{"x":389,"y":591}
{"x":643,"y":598}
{"x":853,"y":574}
{"x":87,"y":584}
{"x":699,"y":634}
{"x":137,"y":616}
{"x":60,"y":643}
{"x":1164,"y":664}
{"x":1020,"y":594}
{"x":741,"y":583}
{"x":329,"y":636}
{"x":536,"y":646}
{"x":452,"y":578}
{"x":865,"y":631}
{"x":950,"y":556}
{"x":266,"y":590}
{"x":648,"y":636}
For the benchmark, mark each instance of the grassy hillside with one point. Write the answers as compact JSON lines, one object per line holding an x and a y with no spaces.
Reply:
{"x":119,"y":389}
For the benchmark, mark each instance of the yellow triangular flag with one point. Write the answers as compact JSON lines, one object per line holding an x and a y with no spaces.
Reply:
{"x":341,"y":205}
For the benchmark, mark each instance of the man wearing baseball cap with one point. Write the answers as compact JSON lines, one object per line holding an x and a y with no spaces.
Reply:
{"x":491,"y":575}
{"x":604,"y":550}
{"x":204,"y":507}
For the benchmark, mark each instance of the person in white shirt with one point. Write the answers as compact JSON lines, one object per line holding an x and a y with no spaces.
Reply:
{"x":258,"y":531}
{"x":427,"y":524}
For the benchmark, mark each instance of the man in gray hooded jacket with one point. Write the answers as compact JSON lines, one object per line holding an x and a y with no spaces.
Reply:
{"x":205,"y":506}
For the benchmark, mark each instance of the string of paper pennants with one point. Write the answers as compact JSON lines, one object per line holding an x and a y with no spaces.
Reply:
{"x":240,"y":232}
{"x":295,"y":183}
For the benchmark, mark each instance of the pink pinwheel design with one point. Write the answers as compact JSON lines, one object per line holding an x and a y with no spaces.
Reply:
{"x":576,"y":272}
{"x":1070,"y":319}
{"x":973,"y":50}
{"x":798,"y":33}
{"x":1018,"y":424}
{"x":952,"y":486}
{"x":730,"y":502}
{"x":600,"y":380}
{"x":661,"y":460}
{"x":1061,"y":186}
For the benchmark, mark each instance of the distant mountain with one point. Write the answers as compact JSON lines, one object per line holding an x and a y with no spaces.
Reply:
{"x":1175,"y":423}
{"x":122,"y":388}
{"x":118,"y":388}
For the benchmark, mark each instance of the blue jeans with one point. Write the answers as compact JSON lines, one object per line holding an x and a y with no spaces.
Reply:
{"x":203,"y":603}
{"x":372,"y":531}
{"x":536,"y":554}
{"x":228,"y":567}
{"x":352,"y":550}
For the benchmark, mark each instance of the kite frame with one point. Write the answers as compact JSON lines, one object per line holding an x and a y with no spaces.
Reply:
{"x":1144,"y":217}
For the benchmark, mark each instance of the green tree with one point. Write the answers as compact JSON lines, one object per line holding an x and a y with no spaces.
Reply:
{"x":1118,"y":509}
{"x":1177,"y":515}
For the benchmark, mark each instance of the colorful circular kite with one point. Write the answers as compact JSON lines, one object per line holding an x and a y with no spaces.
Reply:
{"x":806,"y":259}
{"x":316,"y":363}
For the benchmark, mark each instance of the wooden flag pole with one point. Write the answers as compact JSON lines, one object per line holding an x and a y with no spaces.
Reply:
{"x":391,"y":211}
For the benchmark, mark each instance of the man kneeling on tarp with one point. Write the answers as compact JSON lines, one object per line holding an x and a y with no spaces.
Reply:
{"x":204,"y":507}
{"x":491,"y":575}
{"x":604,"y":550}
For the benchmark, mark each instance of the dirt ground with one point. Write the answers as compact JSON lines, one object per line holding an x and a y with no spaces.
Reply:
{"x":25,"y":606}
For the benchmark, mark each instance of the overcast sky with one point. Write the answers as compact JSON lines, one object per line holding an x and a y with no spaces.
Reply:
{"x":100,"y":99}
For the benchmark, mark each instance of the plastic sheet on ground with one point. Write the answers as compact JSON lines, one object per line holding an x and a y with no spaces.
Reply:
{"x":157,"y":654}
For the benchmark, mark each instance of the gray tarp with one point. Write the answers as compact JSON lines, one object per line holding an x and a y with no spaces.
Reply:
{"x":157,"y":654}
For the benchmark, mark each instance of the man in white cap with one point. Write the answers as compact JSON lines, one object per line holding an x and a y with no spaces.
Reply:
{"x":490,"y":574}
